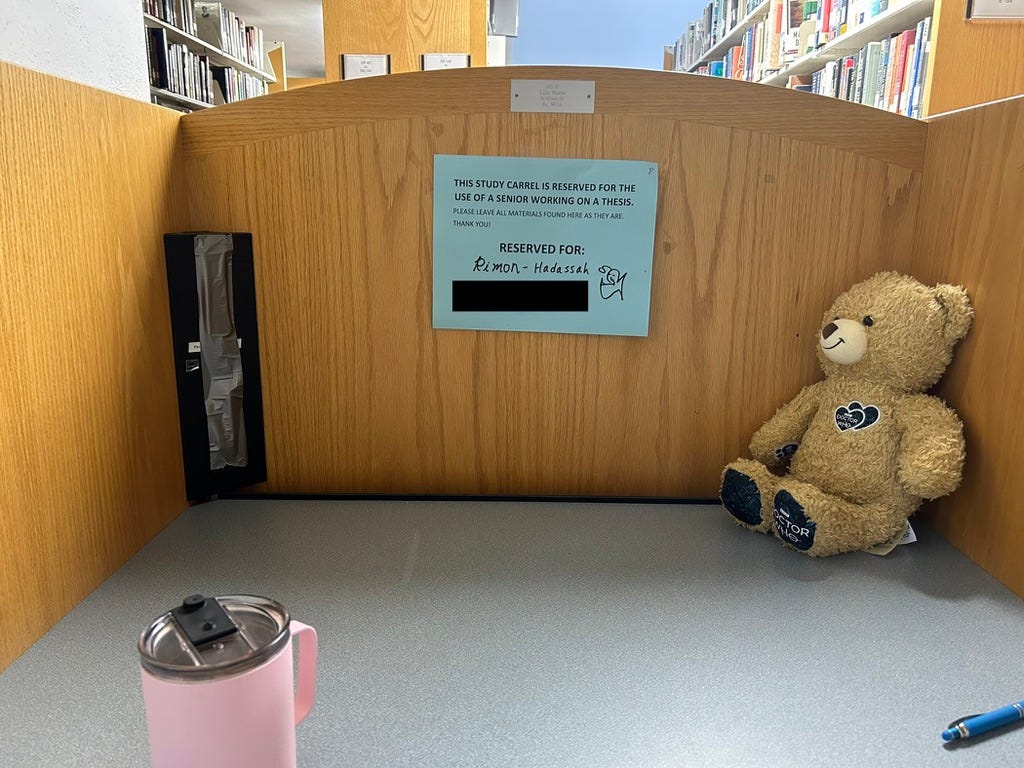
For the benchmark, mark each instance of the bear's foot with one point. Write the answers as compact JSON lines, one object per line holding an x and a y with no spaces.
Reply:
{"x":819,"y":524}
{"x":747,"y":492}
{"x":791,"y":522}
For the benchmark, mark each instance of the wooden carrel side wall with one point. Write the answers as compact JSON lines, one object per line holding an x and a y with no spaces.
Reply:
{"x":971,"y":231}
{"x":89,"y":182}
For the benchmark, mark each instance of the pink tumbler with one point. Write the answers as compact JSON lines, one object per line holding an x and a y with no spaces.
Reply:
{"x":218,"y":683}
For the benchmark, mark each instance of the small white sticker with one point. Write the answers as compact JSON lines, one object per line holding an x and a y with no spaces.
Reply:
{"x":562,"y":96}
{"x":193,"y":347}
{"x":907,"y":537}
{"x":239,"y":343}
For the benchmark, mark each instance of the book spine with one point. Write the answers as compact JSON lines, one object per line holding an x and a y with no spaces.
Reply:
{"x":890,"y":71}
{"x":858,"y":87}
{"x":908,"y":106}
{"x":163,"y":59}
{"x":844,"y":78}
{"x":906,"y":40}
{"x":749,"y":54}
{"x":172,"y":74}
{"x":872,"y":59}
{"x":922,"y":77}
{"x":823,"y":25}
{"x":908,"y":76}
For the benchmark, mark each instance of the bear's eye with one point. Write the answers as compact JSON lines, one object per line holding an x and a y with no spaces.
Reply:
{"x":868,"y":320}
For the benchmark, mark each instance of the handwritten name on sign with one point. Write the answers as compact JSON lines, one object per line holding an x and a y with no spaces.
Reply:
{"x":539,"y":244}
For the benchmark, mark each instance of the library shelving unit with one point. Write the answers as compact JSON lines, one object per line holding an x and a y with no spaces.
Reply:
{"x":258,"y":77}
{"x":966,"y":62}
{"x":891,"y":21}
{"x":732,"y":37}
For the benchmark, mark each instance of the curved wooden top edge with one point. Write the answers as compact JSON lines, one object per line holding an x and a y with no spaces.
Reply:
{"x":987,"y":107}
{"x":650,"y":93}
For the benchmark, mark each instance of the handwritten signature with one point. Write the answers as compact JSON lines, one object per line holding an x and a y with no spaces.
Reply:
{"x":612,"y":282}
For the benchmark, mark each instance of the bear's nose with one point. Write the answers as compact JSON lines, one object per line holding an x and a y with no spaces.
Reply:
{"x":828,"y":330}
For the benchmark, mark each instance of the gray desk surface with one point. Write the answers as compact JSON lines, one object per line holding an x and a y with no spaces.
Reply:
{"x":552,"y":634}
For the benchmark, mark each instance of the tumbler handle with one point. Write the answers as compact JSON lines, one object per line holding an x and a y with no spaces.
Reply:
{"x":306,"y":690}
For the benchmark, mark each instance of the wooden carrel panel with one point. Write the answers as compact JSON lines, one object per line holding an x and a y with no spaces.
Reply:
{"x":635,"y":93}
{"x":279,"y":63}
{"x":971,"y":232}
{"x":363,"y":395}
{"x":89,"y":447}
{"x":971,"y":61}
{"x":406,"y":29}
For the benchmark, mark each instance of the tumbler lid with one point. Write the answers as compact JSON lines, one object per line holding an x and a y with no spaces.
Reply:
{"x":211,"y":637}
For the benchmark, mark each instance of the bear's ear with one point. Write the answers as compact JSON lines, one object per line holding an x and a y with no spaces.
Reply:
{"x":957,"y":307}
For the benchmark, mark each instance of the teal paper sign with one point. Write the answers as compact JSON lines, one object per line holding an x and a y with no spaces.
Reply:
{"x":534,"y":244}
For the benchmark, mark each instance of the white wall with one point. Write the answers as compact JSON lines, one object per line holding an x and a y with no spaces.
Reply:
{"x":96,"y":42}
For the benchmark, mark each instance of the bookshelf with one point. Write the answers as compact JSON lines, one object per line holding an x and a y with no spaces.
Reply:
{"x":161,"y":95}
{"x":889,"y":22}
{"x":943,"y":61}
{"x":733,"y":37}
{"x":206,"y":74}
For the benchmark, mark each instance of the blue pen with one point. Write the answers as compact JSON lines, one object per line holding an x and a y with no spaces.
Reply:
{"x":975,"y":725}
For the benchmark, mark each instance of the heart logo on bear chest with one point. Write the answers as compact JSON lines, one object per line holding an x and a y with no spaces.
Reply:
{"x":856,"y":416}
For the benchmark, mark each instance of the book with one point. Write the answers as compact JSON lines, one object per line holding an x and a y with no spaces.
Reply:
{"x":158,"y":47}
{"x":890,"y":68}
{"x":907,"y":107}
{"x":210,"y":25}
{"x":846,"y":77}
{"x":908,"y":75}
{"x":904,"y":41}
{"x":872,"y":60}
{"x":918,"y":96}
{"x":858,"y":85}
{"x":776,"y":10}
{"x":737,"y":63}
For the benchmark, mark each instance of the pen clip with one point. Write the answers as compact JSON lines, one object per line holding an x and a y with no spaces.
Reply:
{"x":960,"y":720}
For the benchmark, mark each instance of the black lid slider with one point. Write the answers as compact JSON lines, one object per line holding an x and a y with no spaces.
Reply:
{"x":203,"y":619}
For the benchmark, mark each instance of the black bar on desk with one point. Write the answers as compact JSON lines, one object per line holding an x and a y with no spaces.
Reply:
{"x":520,"y":296}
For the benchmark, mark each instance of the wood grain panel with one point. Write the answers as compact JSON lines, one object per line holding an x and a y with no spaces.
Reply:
{"x":971,"y":232}
{"x":405,"y":29}
{"x":279,"y":64}
{"x":90,"y":449}
{"x":304,"y":82}
{"x":363,"y":394}
{"x":972,"y":61}
{"x":720,"y":102}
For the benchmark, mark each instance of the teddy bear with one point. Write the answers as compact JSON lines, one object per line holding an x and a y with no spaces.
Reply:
{"x":844,"y":464}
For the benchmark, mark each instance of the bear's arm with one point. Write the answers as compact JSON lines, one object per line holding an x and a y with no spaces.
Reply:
{"x":931,"y":455}
{"x":787,"y":425}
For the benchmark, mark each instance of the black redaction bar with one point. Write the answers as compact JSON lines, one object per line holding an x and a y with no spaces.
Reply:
{"x":519,"y":296}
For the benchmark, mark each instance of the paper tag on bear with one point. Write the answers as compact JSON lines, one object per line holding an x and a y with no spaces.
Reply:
{"x":907,"y":537}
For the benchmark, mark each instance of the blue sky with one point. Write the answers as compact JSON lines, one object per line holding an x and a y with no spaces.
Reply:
{"x":615,"y":33}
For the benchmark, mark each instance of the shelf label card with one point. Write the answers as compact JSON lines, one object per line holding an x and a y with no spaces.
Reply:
{"x":432,"y":61}
{"x":562,"y":96}
{"x":547,"y":245}
{"x":357,"y":65}
{"x":995,"y":9}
